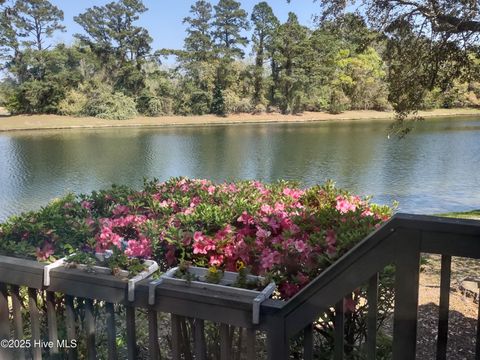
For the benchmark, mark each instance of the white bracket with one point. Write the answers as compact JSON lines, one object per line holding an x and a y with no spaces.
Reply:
{"x":47,"y":268}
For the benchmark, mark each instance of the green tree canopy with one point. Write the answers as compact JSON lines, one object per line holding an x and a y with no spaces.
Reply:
{"x":199,"y":42}
{"x":229,"y":22}
{"x":265,"y":23}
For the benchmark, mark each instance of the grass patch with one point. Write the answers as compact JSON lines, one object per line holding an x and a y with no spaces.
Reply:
{"x":474,"y":214}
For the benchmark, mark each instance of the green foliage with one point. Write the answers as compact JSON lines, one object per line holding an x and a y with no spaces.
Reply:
{"x":229,"y":22}
{"x":151,"y":105}
{"x":74,"y":103}
{"x":342,"y":63}
{"x":339,"y":102}
{"x":116,"y":106}
{"x":199,"y":42}
{"x":265,"y":24}
{"x":218,"y":102}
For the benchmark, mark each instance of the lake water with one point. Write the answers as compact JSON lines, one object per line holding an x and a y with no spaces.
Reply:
{"x":434,"y":169}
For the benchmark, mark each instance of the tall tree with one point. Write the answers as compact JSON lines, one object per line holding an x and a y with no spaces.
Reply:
{"x":229,"y":22}
{"x":291,"y":41}
{"x":121,"y":46}
{"x":111,"y":31}
{"x":265,"y":24}
{"x":449,"y":28}
{"x":199,"y":43}
{"x":38,"y":20}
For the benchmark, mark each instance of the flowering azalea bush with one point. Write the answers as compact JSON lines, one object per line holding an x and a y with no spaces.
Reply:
{"x":278,"y":230}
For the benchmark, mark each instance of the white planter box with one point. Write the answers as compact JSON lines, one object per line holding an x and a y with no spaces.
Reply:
{"x":151,"y":267}
{"x":224,"y":286}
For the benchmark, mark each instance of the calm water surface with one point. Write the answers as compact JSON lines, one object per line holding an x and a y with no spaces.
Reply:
{"x":435,"y":169}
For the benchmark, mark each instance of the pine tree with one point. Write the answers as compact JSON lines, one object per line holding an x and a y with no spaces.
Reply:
{"x":199,"y":43}
{"x":229,"y":21}
{"x":291,"y":42}
{"x":265,"y":23}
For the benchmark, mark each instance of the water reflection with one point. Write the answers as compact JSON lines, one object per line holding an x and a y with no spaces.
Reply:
{"x":434,"y":169}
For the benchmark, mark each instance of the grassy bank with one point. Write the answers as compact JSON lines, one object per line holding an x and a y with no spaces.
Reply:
{"x":43,"y":122}
{"x":474,"y":214}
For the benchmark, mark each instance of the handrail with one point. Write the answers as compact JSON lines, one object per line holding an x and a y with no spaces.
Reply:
{"x":455,"y":237}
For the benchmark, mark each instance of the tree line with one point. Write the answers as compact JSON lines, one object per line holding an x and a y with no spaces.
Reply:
{"x":231,"y":62}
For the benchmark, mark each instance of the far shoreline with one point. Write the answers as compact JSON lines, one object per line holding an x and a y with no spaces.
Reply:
{"x":58,"y":122}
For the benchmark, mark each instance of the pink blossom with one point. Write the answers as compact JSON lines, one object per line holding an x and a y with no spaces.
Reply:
{"x":367,"y":212}
{"x":139,"y":248}
{"x":344,"y":206}
{"x":246,"y":219}
{"x":262,"y":233}
{"x":288,"y":289}
{"x":269,"y":259}
{"x":120,"y":210}
{"x":216,"y":260}
{"x":202,"y":244}
{"x":295,"y":194}
{"x":266,"y":209}
{"x":86,"y":205}
{"x":300,"y":246}
{"x":45,"y":252}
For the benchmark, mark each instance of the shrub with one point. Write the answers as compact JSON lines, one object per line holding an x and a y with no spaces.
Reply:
{"x":218,"y":106}
{"x":73,"y":104}
{"x":339,"y":102}
{"x":151,"y":105}
{"x":200,"y":102}
{"x":116,"y":106}
{"x":279,"y":230}
{"x":207,"y":224}
{"x":259,"y":109}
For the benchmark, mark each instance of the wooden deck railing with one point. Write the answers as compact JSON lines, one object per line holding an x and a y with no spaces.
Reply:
{"x":77,"y":305}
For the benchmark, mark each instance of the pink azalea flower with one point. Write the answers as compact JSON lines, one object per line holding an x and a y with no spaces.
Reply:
{"x":216,"y":260}
{"x":300,"y":246}
{"x":120,"y":210}
{"x":245,"y":218}
{"x":344,"y":206}
{"x":45,"y":252}
{"x":295,"y":194}
{"x":86,"y":205}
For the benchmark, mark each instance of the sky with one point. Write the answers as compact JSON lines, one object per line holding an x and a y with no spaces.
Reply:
{"x":164,"y":17}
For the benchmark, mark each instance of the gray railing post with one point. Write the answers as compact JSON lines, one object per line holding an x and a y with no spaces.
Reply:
{"x":277,"y":342}
{"x":406,"y":295}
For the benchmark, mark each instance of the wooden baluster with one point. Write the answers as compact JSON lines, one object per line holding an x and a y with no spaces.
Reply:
{"x":111,"y":332}
{"x":187,"y":353}
{"x":372,"y":301}
{"x":199,"y":337}
{"x":339,"y":330}
{"x":308,"y":342}
{"x":52,"y":322}
{"x":71,"y":326}
{"x":477,"y":345}
{"x":176,"y":337}
{"x":153,"y":335}
{"x":35,"y":323}
{"x":131,"y":333}
{"x":442,"y":338}
{"x":5,"y":352}
{"x":251,"y":343}
{"x":406,"y":296}
{"x":225,"y":343}
{"x":90,"y":329}
{"x":17,"y":319}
